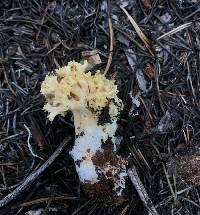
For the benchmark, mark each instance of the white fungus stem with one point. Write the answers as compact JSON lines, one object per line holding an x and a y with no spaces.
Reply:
{"x":89,"y":139}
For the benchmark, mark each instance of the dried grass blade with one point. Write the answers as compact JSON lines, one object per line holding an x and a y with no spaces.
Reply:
{"x":174,"y":31}
{"x":138,"y":31}
{"x":111,"y":46}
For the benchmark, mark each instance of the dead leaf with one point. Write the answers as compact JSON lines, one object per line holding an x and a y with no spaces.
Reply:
{"x":92,"y":56}
{"x":146,"y":4}
{"x":37,"y":134}
{"x":149,"y":70}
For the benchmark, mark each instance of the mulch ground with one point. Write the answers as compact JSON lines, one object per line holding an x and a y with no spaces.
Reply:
{"x":159,"y":82}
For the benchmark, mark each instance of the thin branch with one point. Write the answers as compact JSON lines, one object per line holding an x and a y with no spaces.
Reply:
{"x":34,"y":175}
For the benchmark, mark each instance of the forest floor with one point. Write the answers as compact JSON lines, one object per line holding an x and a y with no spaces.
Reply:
{"x":155,"y":58}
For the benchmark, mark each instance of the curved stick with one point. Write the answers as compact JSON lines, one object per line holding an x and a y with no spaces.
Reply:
{"x":34,"y":175}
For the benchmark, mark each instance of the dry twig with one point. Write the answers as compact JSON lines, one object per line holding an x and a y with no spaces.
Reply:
{"x":34,"y":175}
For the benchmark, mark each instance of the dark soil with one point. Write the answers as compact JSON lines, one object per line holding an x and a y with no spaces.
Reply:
{"x":159,"y":84}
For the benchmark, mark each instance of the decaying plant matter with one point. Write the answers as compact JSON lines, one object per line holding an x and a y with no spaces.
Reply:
{"x":101,"y":171}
